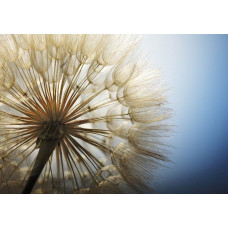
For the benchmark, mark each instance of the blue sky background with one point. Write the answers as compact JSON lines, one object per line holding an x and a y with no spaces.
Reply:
{"x":195,"y":67}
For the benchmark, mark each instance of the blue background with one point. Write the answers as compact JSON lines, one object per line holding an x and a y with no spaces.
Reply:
{"x":195,"y":68}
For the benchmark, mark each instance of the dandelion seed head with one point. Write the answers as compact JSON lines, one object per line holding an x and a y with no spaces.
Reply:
{"x":93,"y":100}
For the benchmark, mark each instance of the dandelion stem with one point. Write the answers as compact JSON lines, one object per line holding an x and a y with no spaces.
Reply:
{"x":47,"y":146}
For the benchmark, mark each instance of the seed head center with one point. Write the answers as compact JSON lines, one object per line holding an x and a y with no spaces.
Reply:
{"x":52,"y":130}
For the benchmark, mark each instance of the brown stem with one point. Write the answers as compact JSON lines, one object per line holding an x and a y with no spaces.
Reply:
{"x":47,"y":146}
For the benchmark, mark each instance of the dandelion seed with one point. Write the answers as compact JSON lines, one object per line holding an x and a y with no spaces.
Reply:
{"x":78,"y":114}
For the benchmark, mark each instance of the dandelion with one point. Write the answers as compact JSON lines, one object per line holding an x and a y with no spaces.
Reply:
{"x":79,"y":114}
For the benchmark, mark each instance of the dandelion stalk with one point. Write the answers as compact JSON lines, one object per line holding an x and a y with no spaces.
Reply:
{"x":47,"y":142}
{"x":46,"y":149}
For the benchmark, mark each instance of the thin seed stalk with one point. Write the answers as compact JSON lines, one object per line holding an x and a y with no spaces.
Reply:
{"x":47,"y":147}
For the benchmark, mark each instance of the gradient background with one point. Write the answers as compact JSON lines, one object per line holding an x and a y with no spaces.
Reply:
{"x":195,"y":67}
